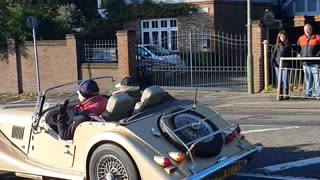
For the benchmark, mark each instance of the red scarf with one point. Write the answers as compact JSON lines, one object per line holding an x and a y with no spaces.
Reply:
{"x":96,"y":105}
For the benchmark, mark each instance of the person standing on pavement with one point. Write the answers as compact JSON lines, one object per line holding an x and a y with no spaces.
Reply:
{"x":282,"y":48}
{"x":309,"y":46}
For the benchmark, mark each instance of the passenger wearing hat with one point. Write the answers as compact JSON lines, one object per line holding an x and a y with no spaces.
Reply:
{"x":130,"y":86}
{"x":91,"y":103}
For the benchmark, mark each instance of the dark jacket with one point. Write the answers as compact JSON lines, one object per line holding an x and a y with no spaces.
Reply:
{"x":93,"y":106}
{"x":66,"y":130}
{"x":309,"y":47}
{"x":281,"y":51}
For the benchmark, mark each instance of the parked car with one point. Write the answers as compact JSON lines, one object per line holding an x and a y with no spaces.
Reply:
{"x":159,"y":56}
{"x":160,"y":138}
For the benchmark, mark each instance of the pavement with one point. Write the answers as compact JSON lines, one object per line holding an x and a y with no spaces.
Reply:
{"x":242,"y":102}
{"x":251,"y":103}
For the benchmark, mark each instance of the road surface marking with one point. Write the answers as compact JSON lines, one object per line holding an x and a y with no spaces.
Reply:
{"x":284,"y":166}
{"x":268,"y":129}
{"x":271,"y":177}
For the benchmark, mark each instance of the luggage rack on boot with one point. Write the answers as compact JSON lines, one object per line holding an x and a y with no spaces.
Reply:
{"x":190,"y":145}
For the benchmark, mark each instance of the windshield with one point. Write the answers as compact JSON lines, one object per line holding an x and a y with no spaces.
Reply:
{"x":56,"y":95}
{"x":159,"y":51}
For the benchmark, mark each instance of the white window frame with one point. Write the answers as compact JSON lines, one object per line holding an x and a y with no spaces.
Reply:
{"x":159,"y":29}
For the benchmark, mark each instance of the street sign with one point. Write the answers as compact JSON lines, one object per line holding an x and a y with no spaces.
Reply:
{"x":32,"y":22}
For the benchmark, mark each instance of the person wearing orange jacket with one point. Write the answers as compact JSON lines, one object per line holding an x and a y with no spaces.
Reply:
{"x":309,"y":46}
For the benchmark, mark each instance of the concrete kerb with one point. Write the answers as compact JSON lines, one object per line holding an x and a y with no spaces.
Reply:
{"x":243,"y":100}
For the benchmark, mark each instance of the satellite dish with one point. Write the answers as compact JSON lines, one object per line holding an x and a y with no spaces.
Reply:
{"x":268,"y":18}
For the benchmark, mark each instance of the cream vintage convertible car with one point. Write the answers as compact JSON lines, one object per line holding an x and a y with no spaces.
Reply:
{"x":160,"y":138}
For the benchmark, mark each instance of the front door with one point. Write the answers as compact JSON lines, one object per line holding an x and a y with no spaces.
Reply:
{"x":46,"y":148}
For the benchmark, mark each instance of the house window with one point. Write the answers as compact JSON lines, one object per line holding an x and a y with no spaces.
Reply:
{"x":164,"y":24}
{"x":145,"y":25}
{"x":300,"y":6}
{"x":204,"y":44}
{"x":161,"y":32}
{"x":146,"y":38}
{"x":154,"y":24}
{"x":173,"y":23}
{"x":174,"y":40}
{"x":305,"y":8}
{"x":312,"y":5}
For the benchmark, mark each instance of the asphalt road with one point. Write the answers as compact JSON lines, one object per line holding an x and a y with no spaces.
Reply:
{"x":290,"y":137}
{"x":291,"y":146}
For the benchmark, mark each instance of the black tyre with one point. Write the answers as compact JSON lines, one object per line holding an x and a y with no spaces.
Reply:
{"x":111,"y":162}
{"x":209,"y":147}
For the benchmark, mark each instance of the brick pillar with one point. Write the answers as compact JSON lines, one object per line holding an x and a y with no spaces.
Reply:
{"x":126,"y":53}
{"x":258,"y":34}
{"x":12,"y":78}
{"x":317,"y":18}
{"x":299,"y":21}
{"x":73,"y":60}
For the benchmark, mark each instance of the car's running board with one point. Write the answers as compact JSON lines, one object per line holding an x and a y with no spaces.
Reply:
{"x":37,"y":170}
{"x":29,"y":176}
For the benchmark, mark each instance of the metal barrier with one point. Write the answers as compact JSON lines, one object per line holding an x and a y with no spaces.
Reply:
{"x":206,"y":59}
{"x":295,"y":77}
{"x":100,"y":51}
{"x":272,"y":77}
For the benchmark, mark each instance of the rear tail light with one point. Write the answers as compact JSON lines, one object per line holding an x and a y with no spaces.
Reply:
{"x":229,"y":136}
{"x":238,"y":129}
{"x":176,"y":156}
{"x":162,"y":161}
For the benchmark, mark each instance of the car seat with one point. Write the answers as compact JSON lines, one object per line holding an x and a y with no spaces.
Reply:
{"x":119,"y":106}
{"x":151,"y":97}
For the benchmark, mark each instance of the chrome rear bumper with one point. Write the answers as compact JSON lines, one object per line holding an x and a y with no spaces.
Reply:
{"x":232,"y":159}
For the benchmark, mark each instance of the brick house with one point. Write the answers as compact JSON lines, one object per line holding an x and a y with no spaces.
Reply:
{"x":228,"y":16}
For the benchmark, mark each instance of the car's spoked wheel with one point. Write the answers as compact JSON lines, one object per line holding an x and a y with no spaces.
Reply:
{"x":196,"y":129}
{"x":110,"y":167}
{"x":110,"y":162}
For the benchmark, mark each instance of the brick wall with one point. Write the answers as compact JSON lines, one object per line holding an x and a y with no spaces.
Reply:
{"x":198,"y":20}
{"x":126,"y":60}
{"x":8,"y":74}
{"x":59,"y":62}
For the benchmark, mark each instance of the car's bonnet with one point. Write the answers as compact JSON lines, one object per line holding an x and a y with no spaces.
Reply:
{"x":16,"y":112}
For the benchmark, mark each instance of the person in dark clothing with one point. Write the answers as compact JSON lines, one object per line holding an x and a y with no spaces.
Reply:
{"x":130,"y":86}
{"x":309,"y":46}
{"x":282,"y":48}
{"x":91,"y":103}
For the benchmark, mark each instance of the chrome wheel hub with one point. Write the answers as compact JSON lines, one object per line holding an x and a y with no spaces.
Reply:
{"x":196,"y":128}
{"x":109,"y":167}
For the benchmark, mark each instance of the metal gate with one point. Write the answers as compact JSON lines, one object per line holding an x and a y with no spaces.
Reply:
{"x":209,"y":60}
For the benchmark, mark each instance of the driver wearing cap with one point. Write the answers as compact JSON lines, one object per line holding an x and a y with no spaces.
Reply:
{"x":91,"y":103}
